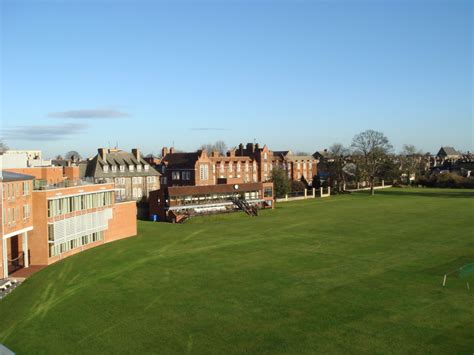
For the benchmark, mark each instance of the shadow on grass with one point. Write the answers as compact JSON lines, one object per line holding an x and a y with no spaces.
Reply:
{"x":428,"y":193}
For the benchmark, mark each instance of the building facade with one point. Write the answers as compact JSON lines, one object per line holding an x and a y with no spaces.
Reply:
{"x":297,"y":167}
{"x":174,"y":203}
{"x":134,"y":178}
{"x":72,"y":219}
{"x":17,"y":221}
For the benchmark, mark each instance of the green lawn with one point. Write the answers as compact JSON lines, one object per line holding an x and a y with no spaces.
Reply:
{"x":351,"y":273}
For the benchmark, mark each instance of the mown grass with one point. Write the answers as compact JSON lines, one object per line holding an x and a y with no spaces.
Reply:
{"x":351,"y":273}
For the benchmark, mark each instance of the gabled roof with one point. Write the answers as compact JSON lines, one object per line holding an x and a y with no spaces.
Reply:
{"x":181,"y":160}
{"x":8,"y":176}
{"x":448,"y":151}
{"x":117,"y":158}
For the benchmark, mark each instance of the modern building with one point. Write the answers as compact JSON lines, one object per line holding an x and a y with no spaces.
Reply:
{"x":17,"y":221}
{"x":42,"y":224}
{"x":12,"y":159}
{"x":72,"y":219}
{"x":134,"y":178}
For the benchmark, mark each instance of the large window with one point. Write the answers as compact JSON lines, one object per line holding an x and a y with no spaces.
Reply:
{"x":57,"y":249}
{"x":175,"y":175}
{"x":204,"y":172}
{"x":268,"y":192}
{"x":26,"y":188}
{"x":66,"y":205}
{"x":186,"y":175}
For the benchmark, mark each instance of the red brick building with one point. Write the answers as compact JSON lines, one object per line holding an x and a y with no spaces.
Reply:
{"x":46,"y":223}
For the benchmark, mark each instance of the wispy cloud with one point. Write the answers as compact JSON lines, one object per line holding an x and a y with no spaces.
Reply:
{"x":90,"y":114}
{"x":209,"y":129}
{"x":43,"y":133}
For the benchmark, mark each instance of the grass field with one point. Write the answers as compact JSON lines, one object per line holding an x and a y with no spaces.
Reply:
{"x":352,"y":273}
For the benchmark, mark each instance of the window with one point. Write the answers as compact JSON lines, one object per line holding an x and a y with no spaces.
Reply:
{"x":268,"y":192}
{"x":238,"y":167}
{"x":26,"y":211}
{"x":204,"y":172}
{"x":222,"y":167}
{"x":114,"y":168}
{"x":213,"y":168}
{"x":265,"y":156}
{"x":106,"y":168}
{"x":137,"y":192}
{"x":164,"y":180}
{"x":26,"y":188}
{"x":147,"y":167}
{"x":17,"y":189}
{"x":150,"y":179}
{"x":186,"y":175}
{"x":139,"y":167}
{"x":60,"y":206}
{"x":175,"y":175}
{"x":230,"y":166}
{"x":298,"y":165}
{"x":131,"y":167}
{"x":246,"y":166}
{"x":122,"y":168}
{"x":265,"y":168}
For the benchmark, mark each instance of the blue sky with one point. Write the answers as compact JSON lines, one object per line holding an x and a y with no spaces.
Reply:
{"x":291,"y":74}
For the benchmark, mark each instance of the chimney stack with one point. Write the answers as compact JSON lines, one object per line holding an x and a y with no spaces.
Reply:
{"x":241,"y":149}
{"x":102,"y":153}
{"x":250,"y":148}
{"x":172,"y":151}
{"x":164,"y":151}
{"x":136,"y":153}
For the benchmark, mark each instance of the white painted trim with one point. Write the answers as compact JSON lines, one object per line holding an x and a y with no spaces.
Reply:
{"x":12,"y":234}
{"x":78,"y":194}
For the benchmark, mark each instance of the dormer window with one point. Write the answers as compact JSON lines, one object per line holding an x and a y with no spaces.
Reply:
{"x":106,"y":168}
{"x":114,"y":168}
{"x":131,"y":167}
{"x":147,"y":167}
{"x":122,"y":168}
{"x":139,"y":167}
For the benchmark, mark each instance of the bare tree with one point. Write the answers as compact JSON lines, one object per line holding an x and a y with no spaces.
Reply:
{"x":3,"y":147}
{"x":338,"y":154}
{"x":371,"y":149}
{"x":410,"y":161}
{"x":73,"y":156}
{"x":218,"y":146}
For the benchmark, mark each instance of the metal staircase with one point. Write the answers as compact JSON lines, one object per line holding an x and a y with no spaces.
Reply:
{"x":245,"y":206}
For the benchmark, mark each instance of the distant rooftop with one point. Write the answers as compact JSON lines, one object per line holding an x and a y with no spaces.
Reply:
{"x":8,"y":176}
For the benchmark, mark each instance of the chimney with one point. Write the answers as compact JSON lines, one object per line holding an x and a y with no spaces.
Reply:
{"x":164,"y":151}
{"x":215,"y":154}
{"x":102,"y":153}
{"x":250,"y":148}
{"x":172,"y":151}
{"x":241,"y":149}
{"x":231,"y":152}
{"x":136,"y":153}
{"x":256,"y":146}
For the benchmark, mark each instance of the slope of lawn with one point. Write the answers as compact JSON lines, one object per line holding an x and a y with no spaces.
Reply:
{"x":352,"y":273}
